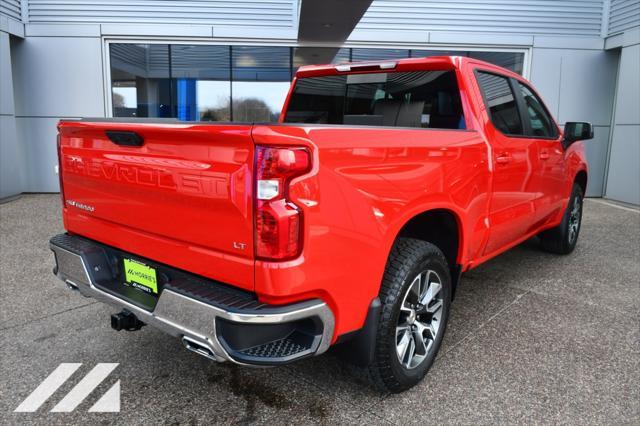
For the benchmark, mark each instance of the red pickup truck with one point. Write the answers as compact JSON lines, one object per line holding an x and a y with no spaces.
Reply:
{"x":348,"y":223}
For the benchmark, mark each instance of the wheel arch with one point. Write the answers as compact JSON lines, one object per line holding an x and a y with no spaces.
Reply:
{"x":441,"y":227}
{"x":581,"y":179}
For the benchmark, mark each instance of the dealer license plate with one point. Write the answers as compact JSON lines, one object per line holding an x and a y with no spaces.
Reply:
{"x":140,"y":276}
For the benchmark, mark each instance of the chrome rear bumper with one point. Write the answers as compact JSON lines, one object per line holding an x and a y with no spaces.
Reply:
{"x":199,"y":323}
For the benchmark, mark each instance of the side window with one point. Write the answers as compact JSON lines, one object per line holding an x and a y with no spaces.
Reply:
{"x":501,"y":102}
{"x":541,"y":122}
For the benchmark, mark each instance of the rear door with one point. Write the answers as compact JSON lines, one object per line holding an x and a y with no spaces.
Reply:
{"x":514,"y":161}
{"x":178,"y":194}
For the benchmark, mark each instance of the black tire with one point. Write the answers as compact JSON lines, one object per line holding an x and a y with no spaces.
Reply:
{"x":408,"y":259}
{"x":563,"y":238}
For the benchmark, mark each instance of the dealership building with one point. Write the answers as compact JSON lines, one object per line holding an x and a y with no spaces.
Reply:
{"x":233,"y":61}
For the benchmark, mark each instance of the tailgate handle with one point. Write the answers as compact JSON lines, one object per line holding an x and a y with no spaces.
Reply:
{"x":124,"y":138}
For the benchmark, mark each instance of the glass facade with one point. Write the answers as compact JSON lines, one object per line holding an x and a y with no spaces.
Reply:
{"x":261,"y":78}
{"x":201,"y":75}
{"x":233,"y":83}
{"x":140,"y":80}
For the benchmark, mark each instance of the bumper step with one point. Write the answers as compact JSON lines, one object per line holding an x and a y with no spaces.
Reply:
{"x":282,"y":348}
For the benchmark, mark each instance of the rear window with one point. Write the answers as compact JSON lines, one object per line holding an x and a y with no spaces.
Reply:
{"x":428,"y":99}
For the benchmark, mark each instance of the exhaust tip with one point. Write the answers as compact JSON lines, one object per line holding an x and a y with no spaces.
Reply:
{"x":199,"y":348}
{"x":71,"y":285}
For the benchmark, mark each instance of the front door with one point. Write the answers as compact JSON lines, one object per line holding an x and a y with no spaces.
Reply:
{"x":540,"y":127}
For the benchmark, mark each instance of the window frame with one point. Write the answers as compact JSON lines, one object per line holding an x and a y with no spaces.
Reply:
{"x":522,"y":105}
{"x":509,"y":79}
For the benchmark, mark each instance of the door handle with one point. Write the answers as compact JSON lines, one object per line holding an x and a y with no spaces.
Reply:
{"x":544,"y":154}
{"x":503,"y":158}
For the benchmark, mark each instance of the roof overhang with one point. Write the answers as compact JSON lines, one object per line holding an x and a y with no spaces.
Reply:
{"x":329,"y":21}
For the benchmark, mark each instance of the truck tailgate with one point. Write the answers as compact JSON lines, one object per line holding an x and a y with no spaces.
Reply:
{"x":183,"y":197}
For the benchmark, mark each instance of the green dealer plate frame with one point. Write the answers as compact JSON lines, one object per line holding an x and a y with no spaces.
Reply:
{"x":140,"y":276}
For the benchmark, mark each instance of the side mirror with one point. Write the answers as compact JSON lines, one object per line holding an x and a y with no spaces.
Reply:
{"x":576,"y":131}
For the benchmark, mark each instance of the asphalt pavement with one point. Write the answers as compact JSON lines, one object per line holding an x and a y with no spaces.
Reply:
{"x":532,"y":338}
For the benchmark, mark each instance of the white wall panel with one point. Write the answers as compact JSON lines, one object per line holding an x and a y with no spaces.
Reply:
{"x":545,"y":75}
{"x":62,"y":30}
{"x":623,"y":180}
{"x":11,"y":156}
{"x":578,"y":85}
{"x":269,"y":13}
{"x":58,"y":77}
{"x":587,"y":86}
{"x":572,"y":17}
{"x":38,"y":135}
{"x":6,"y":77}
{"x":11,"y":26}
{"x":11,"y":159}
{"x":596,"y":150}
{"x":624,"y":173}
{"x":54,"y":77}
{"x":623,"y":15}
{"x":628,"y":100}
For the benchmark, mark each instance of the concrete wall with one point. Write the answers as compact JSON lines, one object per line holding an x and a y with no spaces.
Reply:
{"x":54,"y":78}
{"x":623,"y":183}
{"x":11,"y":156}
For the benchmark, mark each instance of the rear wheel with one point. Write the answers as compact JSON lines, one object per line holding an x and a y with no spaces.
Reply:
{"x":415,"y":296}
{"x":563,"y":238}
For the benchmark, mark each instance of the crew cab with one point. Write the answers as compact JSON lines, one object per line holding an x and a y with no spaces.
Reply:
{"x":348,"y":223}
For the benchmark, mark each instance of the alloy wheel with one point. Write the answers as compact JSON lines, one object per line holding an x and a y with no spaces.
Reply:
{"x":420,"y":319}
{"x":574,"y":219}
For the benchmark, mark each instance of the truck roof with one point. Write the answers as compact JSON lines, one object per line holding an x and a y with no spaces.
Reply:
{"x":407,"y":64}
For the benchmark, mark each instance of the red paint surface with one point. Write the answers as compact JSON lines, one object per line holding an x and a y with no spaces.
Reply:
{"x":185,"y":198}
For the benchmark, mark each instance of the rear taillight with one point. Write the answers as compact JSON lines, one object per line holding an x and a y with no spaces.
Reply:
{"x":60,"y":170}
{"x":278,"y":221}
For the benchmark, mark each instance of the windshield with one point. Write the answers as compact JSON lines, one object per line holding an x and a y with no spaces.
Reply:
{"x":428,"y":99}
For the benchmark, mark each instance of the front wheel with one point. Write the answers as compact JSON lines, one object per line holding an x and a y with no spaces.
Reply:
{"x":563,"y":238}
{"x":415,"y":296}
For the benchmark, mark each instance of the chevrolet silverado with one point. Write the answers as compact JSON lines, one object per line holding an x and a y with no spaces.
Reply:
{"x":348,"y":223}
